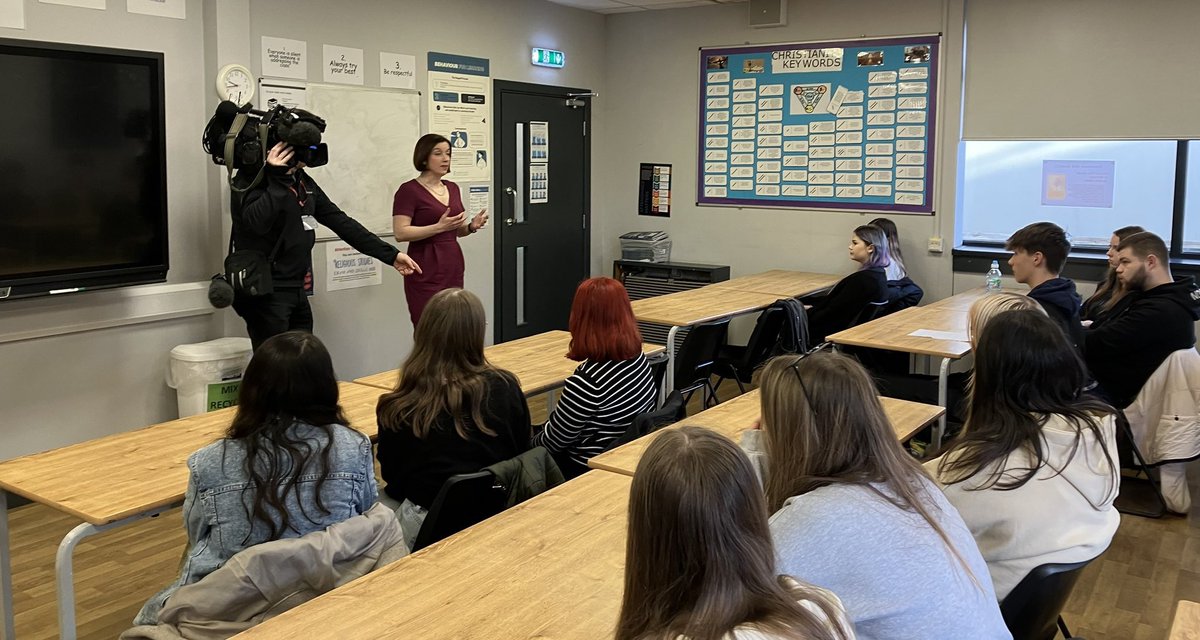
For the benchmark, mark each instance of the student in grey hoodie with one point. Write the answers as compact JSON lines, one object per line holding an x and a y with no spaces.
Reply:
{"x":1033,"y":471}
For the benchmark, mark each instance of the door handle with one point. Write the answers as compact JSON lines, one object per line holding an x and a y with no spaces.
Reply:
{"x":518,"y":206}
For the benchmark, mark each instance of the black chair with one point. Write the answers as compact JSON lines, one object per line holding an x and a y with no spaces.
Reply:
{"x":695,"y":358}
{"x":658,"y":368}
{"x":1141,"y":494}
{"x":672,"y":411}
{"x":464,"y":500}
{"x":870,"y":312}
{"x":740,"y":361}
{"x":1031,"y":610}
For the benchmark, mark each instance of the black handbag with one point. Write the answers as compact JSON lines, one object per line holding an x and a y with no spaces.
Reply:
{"x":248,"y":271}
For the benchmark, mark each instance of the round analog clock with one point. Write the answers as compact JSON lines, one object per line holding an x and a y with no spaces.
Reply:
{"x":235,"y":83}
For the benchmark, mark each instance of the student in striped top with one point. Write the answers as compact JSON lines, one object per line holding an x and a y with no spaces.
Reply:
{"x":611,"y":385}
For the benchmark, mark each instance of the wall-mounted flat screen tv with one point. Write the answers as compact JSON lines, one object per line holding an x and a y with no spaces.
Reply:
{"x":83,"y":182}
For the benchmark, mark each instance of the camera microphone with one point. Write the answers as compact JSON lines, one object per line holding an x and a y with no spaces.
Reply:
{"x":226,"y":112}
{"x":220,"y":292}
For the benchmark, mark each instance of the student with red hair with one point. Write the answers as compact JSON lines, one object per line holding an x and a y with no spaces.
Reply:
{"x":611,"y":385}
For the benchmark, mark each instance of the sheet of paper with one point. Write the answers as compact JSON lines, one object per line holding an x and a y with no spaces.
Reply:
{"x":346,"y":268}
{"x":397,"y":71}
{"x":272,"y":93}
{"x":955,"y":336}
{"x":12,"y":14}
{"x":343,"y":65}
{"x":162,"y":8}
{"x":284,"y":58}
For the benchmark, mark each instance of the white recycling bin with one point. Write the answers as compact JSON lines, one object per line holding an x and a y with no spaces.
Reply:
{"x":206,"y":375}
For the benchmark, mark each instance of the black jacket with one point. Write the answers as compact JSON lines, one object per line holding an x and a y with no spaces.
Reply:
{"x":1061,"y":302}
{"x":1123,"y":352}
{"x":275,"y":206}
{"x":838,"y":309}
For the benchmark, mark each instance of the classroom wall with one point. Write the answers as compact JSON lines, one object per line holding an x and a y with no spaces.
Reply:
{"x":83,"y":365}
{"x":368,"y":330}
{"x":653,"y":91}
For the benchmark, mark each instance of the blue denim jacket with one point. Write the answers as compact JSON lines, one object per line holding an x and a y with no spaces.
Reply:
{"x":220,"y":494}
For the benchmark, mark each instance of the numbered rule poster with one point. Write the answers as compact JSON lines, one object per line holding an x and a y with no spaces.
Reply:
{"x":842,"y":125}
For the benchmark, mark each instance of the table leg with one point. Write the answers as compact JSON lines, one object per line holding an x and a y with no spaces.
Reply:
{"x":669,"y":385}
{"x":943,"y":377}
{"x":64,"y":569}
{"x":6,"y":587}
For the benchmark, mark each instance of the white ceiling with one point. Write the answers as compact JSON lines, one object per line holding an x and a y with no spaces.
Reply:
{"x":625,"y":6}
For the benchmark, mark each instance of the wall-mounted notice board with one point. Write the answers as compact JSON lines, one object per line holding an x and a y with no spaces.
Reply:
{"x":839,"y":125}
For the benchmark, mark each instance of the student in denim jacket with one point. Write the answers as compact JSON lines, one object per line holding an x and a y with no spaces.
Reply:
{"x":310,"y":470}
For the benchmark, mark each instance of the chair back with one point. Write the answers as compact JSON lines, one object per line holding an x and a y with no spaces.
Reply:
{"x":869,"y":313}
{"x":762,"y":339}
{"x":1032,"y":608}
{"x":672,"y":411}
{"x":464,"y":500}
{"x":658,"y":368}
{"x":694,"y":361}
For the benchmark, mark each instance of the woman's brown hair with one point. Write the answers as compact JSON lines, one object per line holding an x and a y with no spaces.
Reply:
{"x":1110,"y":291}
{"x":424,"y":147}
{"x":699,"y":559}
{"x":446,"y":373}
{"x":824,"y":425}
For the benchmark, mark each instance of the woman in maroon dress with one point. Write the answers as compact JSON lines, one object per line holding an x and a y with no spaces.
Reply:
{"x":429,"y":215}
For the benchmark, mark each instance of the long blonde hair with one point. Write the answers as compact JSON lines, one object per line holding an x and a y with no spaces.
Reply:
{"x":699,"y":559}
{"x":446,"y":373}
{"x":1110,"y":290}
{"x":824,"y":425}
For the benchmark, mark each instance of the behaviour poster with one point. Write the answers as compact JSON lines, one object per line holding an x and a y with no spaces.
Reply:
{"x":840,"y":125}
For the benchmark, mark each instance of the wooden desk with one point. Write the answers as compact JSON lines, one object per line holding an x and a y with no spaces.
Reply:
{"x":539,"y":362}
{"x":891,"y":332}
{"x":115,"y":480}
{"x":552,"y":567}
{"x":781,"y":283}
{"x":696,"y":306}
{"x":1187,"y":621}
{"x":733,"y":417}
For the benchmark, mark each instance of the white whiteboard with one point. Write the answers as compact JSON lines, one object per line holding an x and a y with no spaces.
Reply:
{"x":371,"y":134}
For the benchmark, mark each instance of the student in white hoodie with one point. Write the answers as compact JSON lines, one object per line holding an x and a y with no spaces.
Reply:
{"x":1033,"y":472}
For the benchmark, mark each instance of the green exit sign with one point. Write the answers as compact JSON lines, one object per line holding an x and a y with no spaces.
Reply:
{"x":549,"y":58}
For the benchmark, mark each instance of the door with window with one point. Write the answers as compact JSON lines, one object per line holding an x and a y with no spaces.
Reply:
{"x":541,"y":199}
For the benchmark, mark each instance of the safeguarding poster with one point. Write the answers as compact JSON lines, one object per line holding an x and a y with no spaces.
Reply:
{"x":841,"y":125}
{"x":459,"y":108}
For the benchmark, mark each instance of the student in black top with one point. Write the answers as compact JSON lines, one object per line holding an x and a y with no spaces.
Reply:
{"x":284,"y":209}
{"x":451,"y":412}
{"x":1039,"y":252}
{"x":838,"y":309}
{"x":1110,"y":292}
{"x":1159,"y":319}
{"x":902,"y":291}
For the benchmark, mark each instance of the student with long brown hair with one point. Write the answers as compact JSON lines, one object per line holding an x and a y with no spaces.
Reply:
{"x":452,"y":412}
{"x":288,"y":465}
{"x":699,"y":562}
{"x":856,"y":514}
{"x":1111,"y":290}
{"x":1034,"y":471}
{"x":611,"y":385}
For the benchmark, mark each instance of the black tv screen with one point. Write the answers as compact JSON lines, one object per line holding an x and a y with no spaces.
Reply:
{"x":82,"y":169}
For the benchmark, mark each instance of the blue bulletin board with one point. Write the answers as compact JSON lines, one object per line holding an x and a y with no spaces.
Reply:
{"x":838,"y":125}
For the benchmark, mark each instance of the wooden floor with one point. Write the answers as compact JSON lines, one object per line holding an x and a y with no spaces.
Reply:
{"x":1128,"y":594}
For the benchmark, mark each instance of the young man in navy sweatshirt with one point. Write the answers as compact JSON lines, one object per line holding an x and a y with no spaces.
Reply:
{"x":1039,"y":253}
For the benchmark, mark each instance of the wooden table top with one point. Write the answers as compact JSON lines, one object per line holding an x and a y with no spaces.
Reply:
{"x":734,"y":416}
{"x":963,"y":301}
{"x":551,"y":567}
{"x":539,"y":362}
{"x":1187,"y":621}
{"x":892,"y":331}
{"x":695,"y":306}
{"x":778,"y":282}
{"x":117,"y":476}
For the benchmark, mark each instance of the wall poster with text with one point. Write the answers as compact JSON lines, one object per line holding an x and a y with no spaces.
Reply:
{"x":838,"y":125}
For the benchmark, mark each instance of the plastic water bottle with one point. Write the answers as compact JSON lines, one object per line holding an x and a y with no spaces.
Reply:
{"x":992,"y":281}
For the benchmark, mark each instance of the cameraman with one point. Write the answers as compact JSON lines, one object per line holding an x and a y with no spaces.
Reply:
{"x":285,"y":208}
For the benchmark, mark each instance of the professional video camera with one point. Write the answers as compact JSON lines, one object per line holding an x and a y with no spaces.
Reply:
{"x":239,"y":137}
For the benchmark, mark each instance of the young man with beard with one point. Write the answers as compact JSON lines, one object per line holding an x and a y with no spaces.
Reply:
{"x":1124,"y":352}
